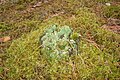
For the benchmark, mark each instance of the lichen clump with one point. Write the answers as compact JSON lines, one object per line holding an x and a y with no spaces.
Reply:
{"x":58,"y":41}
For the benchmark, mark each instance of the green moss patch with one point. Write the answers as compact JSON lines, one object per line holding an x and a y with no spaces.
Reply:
{"x":25,"y":61}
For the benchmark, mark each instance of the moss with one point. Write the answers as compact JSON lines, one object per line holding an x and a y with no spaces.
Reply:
{"x":20,"y":7}
{"x":112,"y":11}
{"x":25,"y":61}
{"x":4,"y":27}
{"x":23,"y":55}
{"x":97,"y":60}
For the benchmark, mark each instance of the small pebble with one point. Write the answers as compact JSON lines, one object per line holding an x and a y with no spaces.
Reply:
{"x":108,"y":4}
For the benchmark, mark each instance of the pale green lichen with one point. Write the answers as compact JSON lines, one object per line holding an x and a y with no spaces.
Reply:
{"x":57,"y":41}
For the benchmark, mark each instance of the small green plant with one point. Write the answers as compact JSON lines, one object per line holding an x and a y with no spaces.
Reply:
{"x":59,"y":41}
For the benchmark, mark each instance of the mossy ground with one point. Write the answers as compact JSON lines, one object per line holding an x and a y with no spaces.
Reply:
{"x":98,"y":57}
